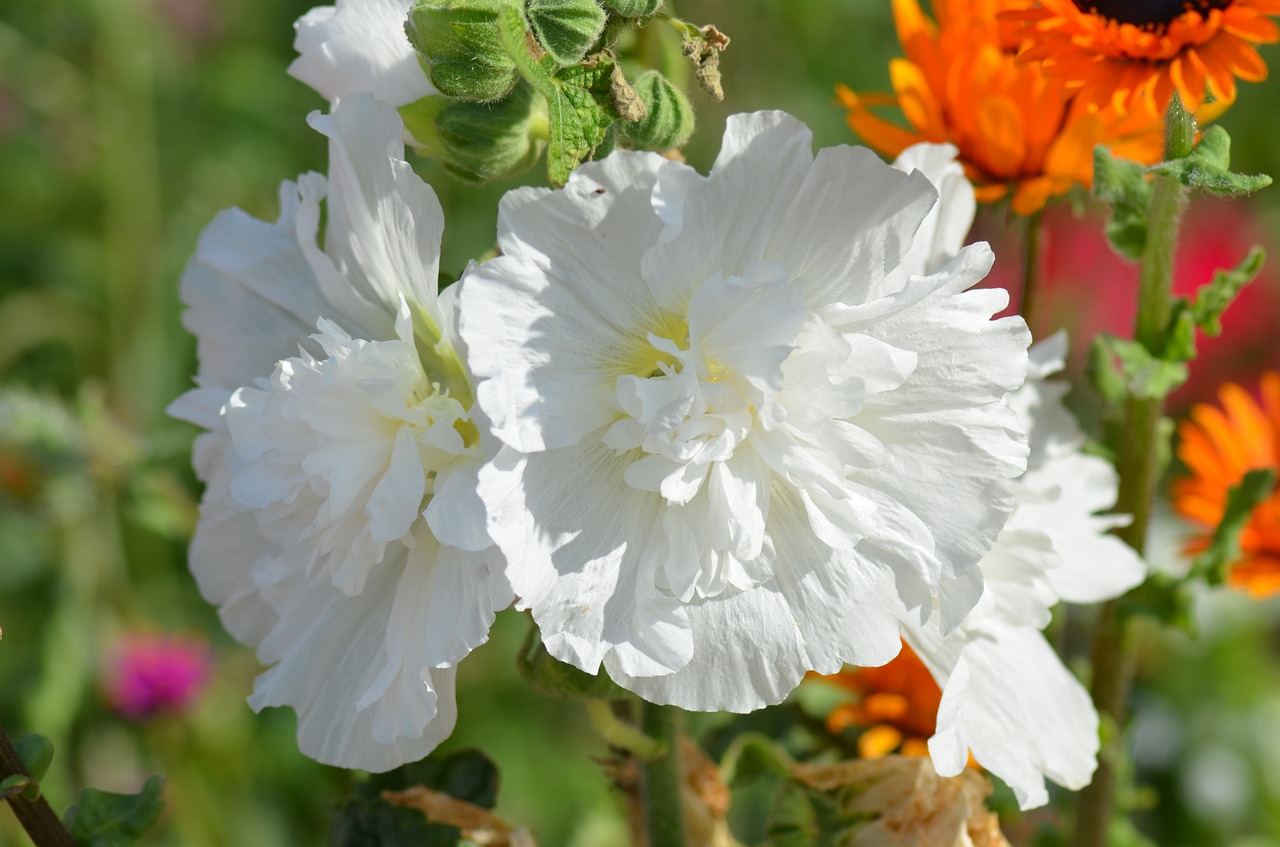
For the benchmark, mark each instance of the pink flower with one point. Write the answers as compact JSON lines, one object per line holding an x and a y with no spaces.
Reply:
{"x":150,"y":674}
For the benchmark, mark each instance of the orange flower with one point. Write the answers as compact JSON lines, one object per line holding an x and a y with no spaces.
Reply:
{"x":1219,"y":446}
{"x":1124,"y":53}
{"x":897,"y":706}
{"x":1017,"y":131}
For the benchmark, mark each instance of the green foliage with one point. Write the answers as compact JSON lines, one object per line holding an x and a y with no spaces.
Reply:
{"x":479,"y":141}
{"x":103,"y":819}
{"x":459,"y":43}
{"x":633,"y":8}
{"x":1124,"y":187}
{"x":1256,"y":486}
{"x":669,"y":120}
{"x":552,"y":676}
{"x":1144,"y":374}
{"x":20,"y":785}
{"x":1209,"y":167}
{"x":367,"y":820}
{"x":1214,"y":298}
{"x":566,"y":29}
{"x":36,"y":753}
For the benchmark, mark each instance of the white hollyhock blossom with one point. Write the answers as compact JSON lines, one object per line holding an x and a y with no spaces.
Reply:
{"x":357,"y":46}
{"x":340,"y":531}
{"x":739,"y":445}
{"x":1007,"y":698}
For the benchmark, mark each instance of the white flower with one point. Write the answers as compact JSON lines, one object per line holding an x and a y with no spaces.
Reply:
{"x":1007,"y":698}
{"x":340,"y":531}
{"x":738,"y":445}
{"x":357,"y":46}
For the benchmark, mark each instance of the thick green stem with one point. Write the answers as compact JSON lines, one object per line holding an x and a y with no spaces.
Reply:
{"x":1138,"y":464}
{"x":36,"y":817}
{"x":1031,"y":273}
{"x":662,"y":779}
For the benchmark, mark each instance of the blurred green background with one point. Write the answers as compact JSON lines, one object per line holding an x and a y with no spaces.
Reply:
{"x":125,"y":125}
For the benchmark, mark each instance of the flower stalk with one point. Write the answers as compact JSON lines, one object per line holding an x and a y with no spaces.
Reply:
{"x":36,"y":816}
{"x":664,"y":818}
{"x":1138,"y":465}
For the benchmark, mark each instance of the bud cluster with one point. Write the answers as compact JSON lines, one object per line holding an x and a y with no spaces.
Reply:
{"x":517,"y":76}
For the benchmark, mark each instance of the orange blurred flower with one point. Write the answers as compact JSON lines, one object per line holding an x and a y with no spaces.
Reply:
{"x":1018,"y":131}
{"x":897,"y":706}
{"x":1124,"y":53}
{"x":1218,"y":446}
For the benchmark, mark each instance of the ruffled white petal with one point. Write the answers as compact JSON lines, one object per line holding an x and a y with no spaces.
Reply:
{"x":359,"y":46}
{"x":943,"y":231}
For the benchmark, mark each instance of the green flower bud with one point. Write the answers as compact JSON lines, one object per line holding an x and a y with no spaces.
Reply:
{"x":566,"y":29}
{"x":633,"y":8}
{"x":670,"y":120}
{"x":459,"y":42}
{"x":480,"y":140}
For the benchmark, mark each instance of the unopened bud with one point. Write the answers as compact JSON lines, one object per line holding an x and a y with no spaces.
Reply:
{"x":479,"y":140}
{"x":460,"y":43}
{"x":633,"y":8}
{"x":566,"y":29}
{"x":670,"y":120}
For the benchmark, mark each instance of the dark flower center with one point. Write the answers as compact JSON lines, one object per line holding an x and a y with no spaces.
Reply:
{"x":1153,"y":15}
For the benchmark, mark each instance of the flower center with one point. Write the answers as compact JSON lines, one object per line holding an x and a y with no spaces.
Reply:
{"x":1150,"y":15}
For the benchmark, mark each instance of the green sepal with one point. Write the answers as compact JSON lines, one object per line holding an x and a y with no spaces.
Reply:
{"x":103,"y":819}
{"x":20,"y":785}
{"x":367,"y":820}
{"x":670,"y":118}
{"x":1103,"y":372}
{"x":479,"y":141}
{"x":1209,"y":167}
{"x":1224,"y":547}
{"x":633,"y":8}
{"x":1213,"y":298}
{"x":461,"y":47}
{"x":1122,"y":185}
{"x":566,"y":29}
{"x":579,"y":104}
{"x":1145,"y":374}
{"x":559,"y":679}
{"x":36,"y":753}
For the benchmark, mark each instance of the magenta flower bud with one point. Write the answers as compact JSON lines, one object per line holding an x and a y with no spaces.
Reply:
{"x":149,"y":674}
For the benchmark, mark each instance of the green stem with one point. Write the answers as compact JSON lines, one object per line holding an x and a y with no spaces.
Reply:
{"x":1138,"y":464}
{"x":662,"y":783}
{"x":618,"y":733}
{"x":1031,"y":272}
{"x":36,"y":817}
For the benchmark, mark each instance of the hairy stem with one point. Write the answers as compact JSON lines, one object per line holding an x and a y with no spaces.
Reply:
{"x":662,"y":779}
{"x":36,"y":817}
{"x":1138,"y":464}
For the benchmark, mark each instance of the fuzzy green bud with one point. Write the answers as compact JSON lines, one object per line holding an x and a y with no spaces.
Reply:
{"x":566,"y":29}
{"x":480,"y":140}
{"x":633,"y":8}
{"x":670,"y":120}
{"x":460,"y":44}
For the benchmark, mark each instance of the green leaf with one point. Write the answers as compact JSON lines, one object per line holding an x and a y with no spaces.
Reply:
{"x":103,"y":819}
{"x":20,"y":785}
{"x":1224,"y":548}
{"x":366,"y":820}
{"x":36,"y":753}
{"x":1103,"y":372}
{"x":559,"y":679}
{"x":751,"y":755}
{"x":1209,"y":167}
{"x":803,"y":817}
{"x":1145,"y":375}
{"x":579,"y":102}
{"x":1122,"y":185}
{"x":1214,"y":298}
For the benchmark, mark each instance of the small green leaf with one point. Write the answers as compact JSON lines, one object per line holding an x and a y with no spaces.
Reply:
{"x":552,"y":676}
{"x":366,"y":820}
{"x":1103,"y":372}
{"x":1214,"y":298}
{"x":566,"y":29}
{"x":751,"y":755}
{"x":1144,"y":374}
{"x":1209,"y":167}
{"x":20,"y":785}
{"x":103,"y":819}
{"x":1122,"y":185}
{"x":36,"y":753}
{"x":1224,"y":548}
